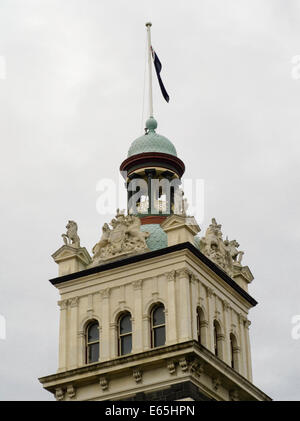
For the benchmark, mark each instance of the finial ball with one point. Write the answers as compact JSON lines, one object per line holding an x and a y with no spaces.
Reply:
{"x":151,"y":124}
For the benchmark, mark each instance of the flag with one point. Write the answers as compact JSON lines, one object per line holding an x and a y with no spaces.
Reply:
{"x":158,"y":67}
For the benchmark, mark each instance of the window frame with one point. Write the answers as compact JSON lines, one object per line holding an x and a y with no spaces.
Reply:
{"x":122,"y":335}
{"x":88,"y":343}
{"x":153,"y":328}
{"x":234,"y":348}
{"x":218,"y":350}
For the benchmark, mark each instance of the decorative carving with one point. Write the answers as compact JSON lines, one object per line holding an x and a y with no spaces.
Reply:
{"x":71,"y":391}
{"x":234,"y":395}
{"x":247,"y":324}
{"x":193,"y":278}
{"x":124,"y":237}
{"x":242,"y":318}
{"x":171,"y":366}
{"x":224,"y":253}
{"x":216,"y":382}
{"x":210,"y":292}
{"x":71,"y":237}
{"x":103,"y":382}
{"x":197,"y":368}
{"x":183,"y":364}
{"x":137,"y":374}
{"x":183,"y":273}
{"x":137,"y":285}
{"x":74,"y":301}
{"x":226,"y":305}
{"x":105,"y":293}
{"x":63,"y":304}
{"x":59,"y":394}
{"x":171,"y":275}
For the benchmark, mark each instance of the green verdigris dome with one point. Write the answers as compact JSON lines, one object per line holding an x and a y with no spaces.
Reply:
{"x":151,"y":142}
{"x":157,"y":239}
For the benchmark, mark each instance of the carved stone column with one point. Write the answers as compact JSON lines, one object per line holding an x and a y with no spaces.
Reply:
{"x":81,"y":348}
{"x":210,"y":312}
{"x":243,"y":354}
{"x":248,"y":349}
{"x":105,"y":340}
{"x":185,"y":323}
{"x":63,"y":338}
{"x":194,"y":294}
{"x":150,"y":175}
{"x":146,"y":331}
{"x":172,"y":324}
{"x":138,"y":316}
{"x":73,"y":329}
{"x":227,"y":347}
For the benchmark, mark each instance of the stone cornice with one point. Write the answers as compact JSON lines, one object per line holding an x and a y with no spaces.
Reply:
{"x":184,"y":352}
{"x":157,"y":253}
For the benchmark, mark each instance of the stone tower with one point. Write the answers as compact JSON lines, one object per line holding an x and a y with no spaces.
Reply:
{"x":157,"y":312}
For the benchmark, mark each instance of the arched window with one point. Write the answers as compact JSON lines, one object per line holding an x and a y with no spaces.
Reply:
{"x":200,"y":326}
{"x":125,"y":334}
{"x":234,"y":351}
{"x":158,"y":326}
{"x":92,"y":342}
{"x":217,"y":339}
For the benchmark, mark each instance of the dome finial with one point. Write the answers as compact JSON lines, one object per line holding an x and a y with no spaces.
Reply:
{"x":151,"y":124}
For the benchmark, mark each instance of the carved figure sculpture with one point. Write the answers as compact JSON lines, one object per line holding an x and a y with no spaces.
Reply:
{"x":223,"y":252}
{"x":71,"y":238}
{"x":180,"y":203}
{"x":103,"y":240}
{"x":124,"y":237}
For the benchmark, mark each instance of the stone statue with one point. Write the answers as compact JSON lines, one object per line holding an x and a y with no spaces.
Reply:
{"x":232,"y":246}
{"x":71,"y":238}
{"x":180,"y":203}
{"x":223,"y":252}
{"x":103,"y":240}
{"x":124,"y":237}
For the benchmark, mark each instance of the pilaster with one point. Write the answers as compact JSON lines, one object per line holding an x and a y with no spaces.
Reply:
{"x":172,"y":323}
{"x":63,"y":329}
{"x":105,"y":341}
{"x":138,"y":310}
{"x":73,"y":329}
{"x":185,"y":331}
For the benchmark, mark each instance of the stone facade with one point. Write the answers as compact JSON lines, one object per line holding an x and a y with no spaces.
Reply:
{"x":184,"y":285}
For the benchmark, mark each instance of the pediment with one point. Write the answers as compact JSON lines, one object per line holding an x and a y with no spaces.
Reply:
{"x":67,"y":252}
{"x":178,"y":221}
{"x":246,"y":273}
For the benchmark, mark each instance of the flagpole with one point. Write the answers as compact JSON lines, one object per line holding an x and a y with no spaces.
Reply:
{"x":148,"y":26}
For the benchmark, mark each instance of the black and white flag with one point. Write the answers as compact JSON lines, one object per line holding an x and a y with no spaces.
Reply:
{"x":158,"y":67}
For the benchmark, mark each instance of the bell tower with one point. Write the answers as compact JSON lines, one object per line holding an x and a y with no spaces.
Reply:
{"x":156,"y":311}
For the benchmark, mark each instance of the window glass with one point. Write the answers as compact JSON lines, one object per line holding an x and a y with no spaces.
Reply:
{"x":125,"y":324}
{"x":159,"y":336}
{"x":126,"y":344}
{"x":92,"y":343}
{"x":93,"y":332}
{"x":159,"y":316}
{"x":93,"y":352}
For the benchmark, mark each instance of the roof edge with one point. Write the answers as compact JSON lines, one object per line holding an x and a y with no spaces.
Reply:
{"x":155,"y":253}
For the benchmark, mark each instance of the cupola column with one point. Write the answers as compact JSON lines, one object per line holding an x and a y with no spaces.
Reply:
{"x":150,"y":175}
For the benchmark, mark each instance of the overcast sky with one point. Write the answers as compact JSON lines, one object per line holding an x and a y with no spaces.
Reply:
{"x":71,"y":93}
